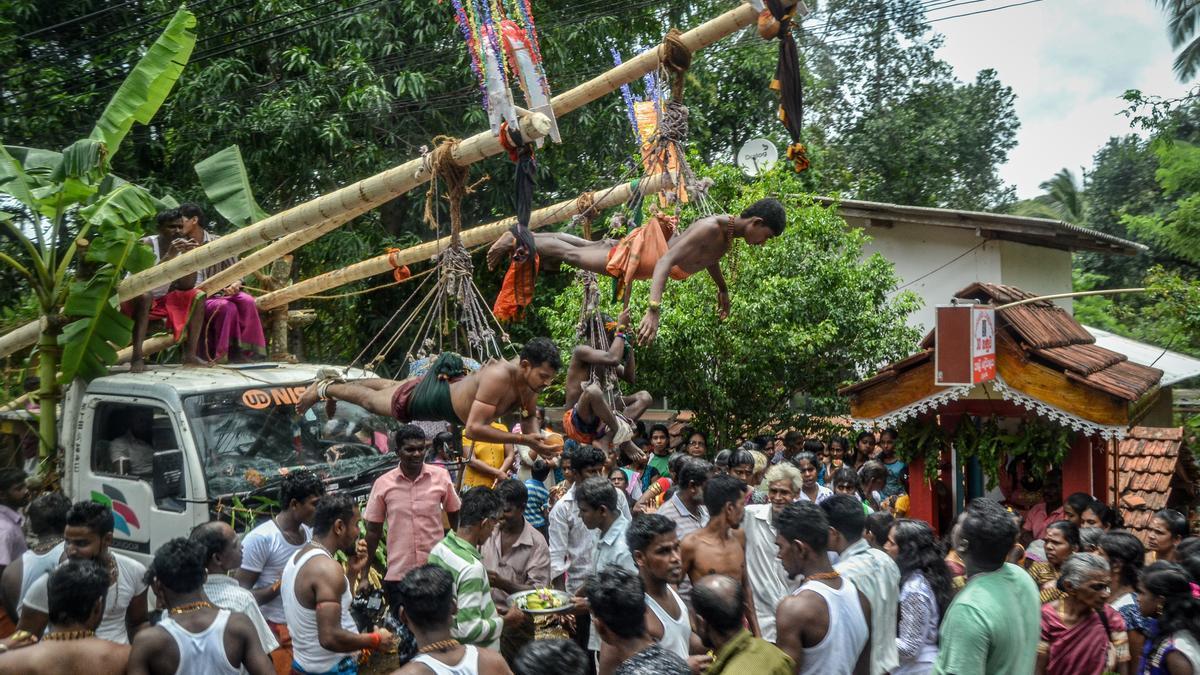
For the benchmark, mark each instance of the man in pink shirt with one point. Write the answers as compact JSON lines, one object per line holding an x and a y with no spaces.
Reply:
{"x":411,"y":499}
{"x":1050,"y":510}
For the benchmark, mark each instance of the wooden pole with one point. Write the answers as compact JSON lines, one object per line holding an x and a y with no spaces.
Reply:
{"x":613,"y":196}
{"x":339,"y":206}
{"x":21,"y":338}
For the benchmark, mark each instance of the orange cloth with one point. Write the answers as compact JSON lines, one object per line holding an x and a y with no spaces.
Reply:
{"x":281,"y":658}
{"x":516,"y":291}
{"x":634,"y":257}
{"x":174,"y":308}
{"x":572,"y":430}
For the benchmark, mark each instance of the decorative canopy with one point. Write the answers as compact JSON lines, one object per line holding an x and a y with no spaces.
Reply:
{"x":1046,"y":362}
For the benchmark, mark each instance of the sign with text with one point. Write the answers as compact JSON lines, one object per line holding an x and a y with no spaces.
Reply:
{"x":965,"y":350}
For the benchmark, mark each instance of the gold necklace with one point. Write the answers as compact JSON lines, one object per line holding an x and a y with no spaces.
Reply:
{"x":64,"y":635}
{"x":191,"y":606}
{"x":820,"y":576}
{"x":439,"y":646}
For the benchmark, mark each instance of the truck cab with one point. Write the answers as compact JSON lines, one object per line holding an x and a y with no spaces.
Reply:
{"x":174,"y":447}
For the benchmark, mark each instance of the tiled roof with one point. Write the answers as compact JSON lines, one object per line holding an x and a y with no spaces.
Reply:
{"x":1154,"y":461}
{"x":1049,"y":334}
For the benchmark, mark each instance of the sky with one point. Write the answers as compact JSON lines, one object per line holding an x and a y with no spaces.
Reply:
{"x":1068,"y":62}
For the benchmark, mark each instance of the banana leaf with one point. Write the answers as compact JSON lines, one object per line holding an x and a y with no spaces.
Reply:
{"x":89,"y":343}
{"x":223,"y":177}
{"x":13,"y":181}
{"x":150,"y":82}
{"x":125,"y":206}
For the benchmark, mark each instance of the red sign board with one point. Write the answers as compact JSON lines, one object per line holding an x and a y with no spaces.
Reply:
{"x":966,"y":345}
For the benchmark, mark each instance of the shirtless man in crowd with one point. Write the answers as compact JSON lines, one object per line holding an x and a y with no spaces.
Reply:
{"x":720,"y":546}
{"x":472,"y":401}
{"x":76,"y":593}
{"x":700,"y":247}
{"x":585,"y":408}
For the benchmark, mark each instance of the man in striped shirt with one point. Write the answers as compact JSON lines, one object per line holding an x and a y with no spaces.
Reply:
{"x":477,"y":621}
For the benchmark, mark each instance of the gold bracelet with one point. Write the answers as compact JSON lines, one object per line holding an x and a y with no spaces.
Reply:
{"x":653,"y":306}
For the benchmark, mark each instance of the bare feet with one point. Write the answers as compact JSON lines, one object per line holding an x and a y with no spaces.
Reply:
{"x":308,"y":399}
{"x":194,"y":362}
{"x":502,"y":248}
{"x":137,"y":366}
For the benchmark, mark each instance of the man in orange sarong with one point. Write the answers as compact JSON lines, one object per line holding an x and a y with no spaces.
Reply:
{"x":657,"y":251}
{"x":587,"y":417}
{"x":179,"y":303}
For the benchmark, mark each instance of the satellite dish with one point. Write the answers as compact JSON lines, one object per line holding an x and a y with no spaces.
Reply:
{"x":757,"y":156}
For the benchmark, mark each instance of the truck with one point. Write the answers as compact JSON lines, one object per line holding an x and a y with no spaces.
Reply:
{"x":174,"y":447}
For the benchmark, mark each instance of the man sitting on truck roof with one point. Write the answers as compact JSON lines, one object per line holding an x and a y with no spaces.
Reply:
{"x":447,"y":394}
{"x":76,"y":593}
{"x":88,"y":536}
{"x":178,"y":303}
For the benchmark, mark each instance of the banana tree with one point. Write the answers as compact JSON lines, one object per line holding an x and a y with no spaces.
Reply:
{"x":78,"y":228}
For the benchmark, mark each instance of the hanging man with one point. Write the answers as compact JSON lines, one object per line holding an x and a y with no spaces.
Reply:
{"x":586,"y":408}
{"x":446,"y":393}
{"x":657,"y":251}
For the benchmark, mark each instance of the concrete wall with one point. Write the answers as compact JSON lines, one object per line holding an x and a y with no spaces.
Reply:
{"x":917,"y":250}
{"x":936,"y":262}
{"x":1037,"y":269}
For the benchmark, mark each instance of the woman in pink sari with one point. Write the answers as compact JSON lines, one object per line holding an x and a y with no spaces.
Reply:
{"x":1081,"y":633}
{"x":232,"y":329}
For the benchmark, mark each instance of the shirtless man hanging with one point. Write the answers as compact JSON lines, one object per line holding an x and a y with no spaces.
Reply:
{"x":478,"y":398}
{"x":700,"y":247}
{"x":720,"y":546}
{"x":585,"y":407}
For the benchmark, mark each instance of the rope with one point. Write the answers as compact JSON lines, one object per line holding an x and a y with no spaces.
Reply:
{"x":585,"y":206}
{"x":676,"y":58}
{"x":441,"y":166}
{"x":592,"y":332}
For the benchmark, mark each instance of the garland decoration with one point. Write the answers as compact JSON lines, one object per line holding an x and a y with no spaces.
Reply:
{"x":501,"y":38}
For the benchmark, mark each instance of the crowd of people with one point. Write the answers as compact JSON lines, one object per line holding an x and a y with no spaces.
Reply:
{"x":786,"y":555}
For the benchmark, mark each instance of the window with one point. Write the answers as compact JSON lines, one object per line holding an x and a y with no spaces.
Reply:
{"x":126,"y":437}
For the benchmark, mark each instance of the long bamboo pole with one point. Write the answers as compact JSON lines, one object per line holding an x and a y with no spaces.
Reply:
{"x":613,"y":196}
{"x":21,"y":337}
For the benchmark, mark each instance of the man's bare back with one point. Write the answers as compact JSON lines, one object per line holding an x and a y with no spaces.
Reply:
{"x":89,"y":655}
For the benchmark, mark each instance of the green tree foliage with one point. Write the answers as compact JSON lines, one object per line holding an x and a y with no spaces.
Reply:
{"x":57,"y":205}
{"x":897,"y":125}
{"x":1183,"y":16}
{"x":808,"y":309}
{"x":320,"y":93}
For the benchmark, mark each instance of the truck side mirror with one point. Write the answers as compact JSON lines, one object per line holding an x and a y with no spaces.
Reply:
{"x":168,"y":475}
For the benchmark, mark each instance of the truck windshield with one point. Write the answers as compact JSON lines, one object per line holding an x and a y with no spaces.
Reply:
{"x":249,"y":437}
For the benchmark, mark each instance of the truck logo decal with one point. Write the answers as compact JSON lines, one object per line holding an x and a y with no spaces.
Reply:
{"x":123,"y":516}
{"x":257,"y":399}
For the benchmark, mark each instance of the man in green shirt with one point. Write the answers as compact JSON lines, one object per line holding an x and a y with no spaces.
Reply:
{"x":994,"y":624}
{"x":476,"y":622}
{"x":718,"y":601}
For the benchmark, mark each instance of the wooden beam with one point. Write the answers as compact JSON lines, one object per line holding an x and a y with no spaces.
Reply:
{"x":613,"y":196}
{"x":908,"y":387}
{"x":1055,"y":388}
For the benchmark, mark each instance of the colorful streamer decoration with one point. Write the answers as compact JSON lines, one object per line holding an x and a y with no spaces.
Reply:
{"x":502,"y":40}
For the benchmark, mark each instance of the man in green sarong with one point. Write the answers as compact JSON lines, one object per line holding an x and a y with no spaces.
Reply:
{"x":448,"y":394}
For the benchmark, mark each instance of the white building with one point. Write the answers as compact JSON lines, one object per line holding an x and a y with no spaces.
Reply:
{"x":938,"y":251}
